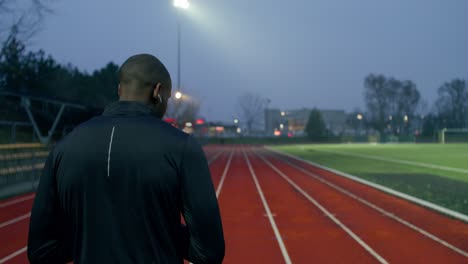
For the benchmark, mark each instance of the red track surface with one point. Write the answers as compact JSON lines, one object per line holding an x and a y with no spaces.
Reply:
{"x":316,"y":217}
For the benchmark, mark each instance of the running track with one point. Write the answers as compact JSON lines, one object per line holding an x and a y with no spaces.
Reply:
{"x":277,"y":209}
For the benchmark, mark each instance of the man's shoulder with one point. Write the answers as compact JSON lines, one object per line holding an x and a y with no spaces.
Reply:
{"x":140,"y":128}
{"x":169,"y":128}
{"x":62,"y":143}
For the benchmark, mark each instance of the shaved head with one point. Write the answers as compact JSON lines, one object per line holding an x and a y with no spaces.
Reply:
{"x":143,"y":71}
{"x":143,"y":78}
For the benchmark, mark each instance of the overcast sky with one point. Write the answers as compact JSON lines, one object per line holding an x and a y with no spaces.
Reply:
{"x":312,"y":53}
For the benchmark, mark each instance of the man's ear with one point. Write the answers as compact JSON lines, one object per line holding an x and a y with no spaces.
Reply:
{"x":157,"y":90}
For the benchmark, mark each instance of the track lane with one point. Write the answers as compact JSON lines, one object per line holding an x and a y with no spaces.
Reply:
{"x":247,"y":231}
{"x":18,"y":209}
{"x":219,"y":184}
{"x":13,"y":239}
{"x":384,"y":212}
{"x":14,"y":236}
{"x":309,"y":234}
{"x":303,"y":241}
{"x":15,"y":207}
{"x":268,"y":212}
{"x":451,"y":230}
{"x":396,"y":242}
{"x":16,"y":200}
{"x":219,"y":171}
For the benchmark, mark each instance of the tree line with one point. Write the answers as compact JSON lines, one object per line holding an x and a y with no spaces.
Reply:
{"x":35,"y":73}
{"x":393,"y":106}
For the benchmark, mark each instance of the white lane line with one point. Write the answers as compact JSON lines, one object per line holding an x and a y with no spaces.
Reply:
{"x":223,"y":177}
{"x":380,"y":210}
{"x":12,"y":255}
{"x":15,"y":220}
{"x":287,"y":259}
{"x":405,"y":162}
{"x":19,"y":200}
{"x":326,"y":212}
{"x":216,"y":156}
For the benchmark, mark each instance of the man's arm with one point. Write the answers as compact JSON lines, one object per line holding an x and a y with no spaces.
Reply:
{"x":46,"y":241}
{"x":201,"y":212}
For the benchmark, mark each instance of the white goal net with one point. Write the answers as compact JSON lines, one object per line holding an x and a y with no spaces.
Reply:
{"x":453,"y":135}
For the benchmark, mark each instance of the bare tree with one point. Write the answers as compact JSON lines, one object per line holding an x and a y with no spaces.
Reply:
{"x":23,"y":18}
{"x":376,"y":98}
{"x":183,"y":110}
{"x":452,"y":104}
{"x":391,"y":103}
{"x":251,"y":108}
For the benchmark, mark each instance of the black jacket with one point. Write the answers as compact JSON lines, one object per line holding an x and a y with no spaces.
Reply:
{"x":114,"y":189}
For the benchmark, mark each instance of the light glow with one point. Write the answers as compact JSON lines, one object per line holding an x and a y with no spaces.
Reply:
{"x":184,"y":4}
{"x":170,"y":120}
{"x":178,"y":95}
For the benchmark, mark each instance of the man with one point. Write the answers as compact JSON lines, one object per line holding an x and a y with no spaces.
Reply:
{"x":113,"y":190}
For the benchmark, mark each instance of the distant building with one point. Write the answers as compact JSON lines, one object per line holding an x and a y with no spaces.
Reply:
{"x":216,"y":129}
{"x":293,"y":122}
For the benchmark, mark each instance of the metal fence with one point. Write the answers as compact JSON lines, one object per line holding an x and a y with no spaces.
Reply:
{"x":13,"y":132}
{"x":20,"y":167}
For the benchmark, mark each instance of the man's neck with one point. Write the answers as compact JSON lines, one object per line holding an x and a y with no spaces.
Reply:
{"x":134,"y":99}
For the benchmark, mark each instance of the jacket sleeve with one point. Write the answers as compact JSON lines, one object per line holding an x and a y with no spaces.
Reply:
{"x":47,"y":239}
{"x":200,"y":208}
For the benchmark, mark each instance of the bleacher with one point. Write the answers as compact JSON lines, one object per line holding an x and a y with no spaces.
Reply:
{"x":20,"y":167}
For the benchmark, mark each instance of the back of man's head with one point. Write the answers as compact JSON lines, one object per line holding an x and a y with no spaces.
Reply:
{"x":141,"y":73}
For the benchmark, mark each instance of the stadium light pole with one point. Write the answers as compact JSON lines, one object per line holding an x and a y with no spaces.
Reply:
{"x":179,"y":4}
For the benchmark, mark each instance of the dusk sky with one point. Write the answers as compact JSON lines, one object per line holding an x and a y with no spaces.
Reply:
{"x":296,"y":53}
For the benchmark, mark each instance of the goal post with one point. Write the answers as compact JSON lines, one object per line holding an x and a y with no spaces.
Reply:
{"x":453,"y":135}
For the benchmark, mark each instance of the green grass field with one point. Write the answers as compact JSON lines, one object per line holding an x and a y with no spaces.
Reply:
{"x":433,"y":172}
